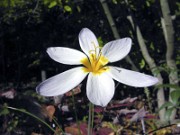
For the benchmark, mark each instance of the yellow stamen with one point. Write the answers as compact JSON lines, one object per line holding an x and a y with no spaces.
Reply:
{"x":95,"y":64}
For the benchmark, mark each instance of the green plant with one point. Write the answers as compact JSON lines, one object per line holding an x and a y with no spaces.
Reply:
{"x":174,"y":103}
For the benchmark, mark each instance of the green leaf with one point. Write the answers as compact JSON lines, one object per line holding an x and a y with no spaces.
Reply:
{"x":100,"y":41}
{"x":52,"y":4}
{"x":67,"y":8}
{"x":167,"y":104}
{"x":46,"y":2}
{"x":114,"y":1}
{"x":147,"y":3}
{"x":4,"y":111}
{"x":152,"y":46}
{"x":78,"y":9}
{"x":168,"y":113}
{"x":175,"y":96}
{"x":168,"y":86}
{"x":142,"y":64}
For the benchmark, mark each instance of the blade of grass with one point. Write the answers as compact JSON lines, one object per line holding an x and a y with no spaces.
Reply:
{"x":32,"y":115}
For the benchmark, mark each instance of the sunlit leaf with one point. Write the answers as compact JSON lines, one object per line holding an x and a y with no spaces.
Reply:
{"x":52,"y":4}
{"x":147,"y":3}
{"x":142,"y":64}
{"x":100,"y":41}
{"x":114,"y":1}
{"x":67,"y":8}
{"x":46,"y":1}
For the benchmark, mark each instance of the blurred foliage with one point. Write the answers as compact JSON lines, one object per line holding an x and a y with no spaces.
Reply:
{"x":4,"y":110}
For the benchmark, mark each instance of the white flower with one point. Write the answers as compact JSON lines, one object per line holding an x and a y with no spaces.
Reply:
{"x":100,"y":85}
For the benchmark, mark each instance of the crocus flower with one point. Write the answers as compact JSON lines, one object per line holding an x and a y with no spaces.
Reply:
{"x":93,"y":62}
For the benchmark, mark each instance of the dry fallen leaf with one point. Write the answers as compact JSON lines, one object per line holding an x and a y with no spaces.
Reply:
{"x":73,"y":130}
{"x":127,"y":100}
{"x":33,"y":133}
{"x":10,"y":94}
{"x":126,"y":111}
{"x":140,"y":114}
{"x":50,"y":110}
{"x":105,"y":131}
{"x":74,"y":91}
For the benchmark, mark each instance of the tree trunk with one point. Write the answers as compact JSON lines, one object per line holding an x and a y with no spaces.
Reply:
{"x":43,"y":75}
{"x":149,"y":60}
{"x":115,"y":31}
{"x":152,"y":65}
{"x":168,"y":30}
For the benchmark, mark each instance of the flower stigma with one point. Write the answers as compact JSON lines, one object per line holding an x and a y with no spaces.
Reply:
{"x":95,"y":63}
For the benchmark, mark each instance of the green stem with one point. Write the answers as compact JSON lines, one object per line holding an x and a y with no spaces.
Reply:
{"x":75,"y":112}
{"x":32,"y":115}
{"x":55,"y":121}
{"x":91,"y":118}
{"x":156,"y":130}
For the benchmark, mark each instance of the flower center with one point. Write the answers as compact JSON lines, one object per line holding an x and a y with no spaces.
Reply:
{"x":95,"y":63}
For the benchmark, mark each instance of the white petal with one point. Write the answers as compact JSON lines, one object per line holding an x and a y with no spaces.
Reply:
{"x":66,"y":55}
{"x":117,"y":49}
{"x":88,"y":41}
{"x":61,"y":83}
{"x":132,"y":78}
{"x":100,"y":89}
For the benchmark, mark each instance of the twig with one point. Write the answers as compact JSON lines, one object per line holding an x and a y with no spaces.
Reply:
{"x":34,"y":10}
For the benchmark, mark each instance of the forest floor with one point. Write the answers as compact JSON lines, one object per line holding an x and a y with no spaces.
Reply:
{"x":68,"y":114}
